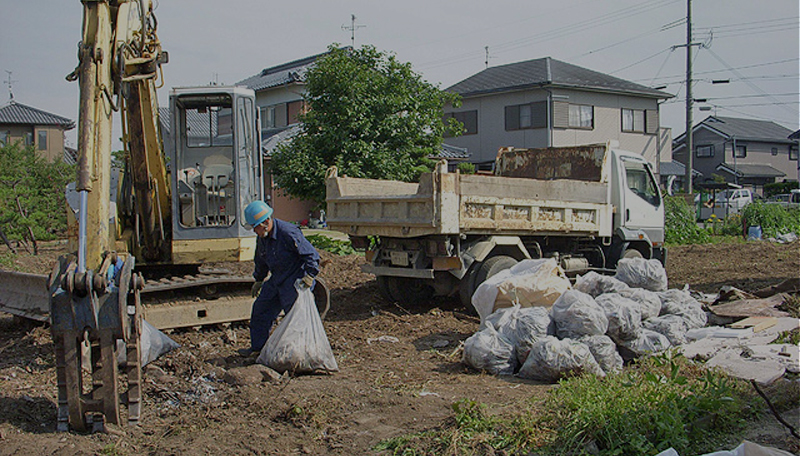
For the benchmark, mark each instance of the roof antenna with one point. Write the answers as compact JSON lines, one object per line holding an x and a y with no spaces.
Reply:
{"x":487,"y":56}
{"x":9,"y":82}
{"x":352,"y":28}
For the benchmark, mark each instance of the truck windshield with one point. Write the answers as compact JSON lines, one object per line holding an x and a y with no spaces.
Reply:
{"x":641,"y":181}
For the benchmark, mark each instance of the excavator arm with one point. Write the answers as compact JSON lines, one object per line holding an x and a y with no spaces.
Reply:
{"x":94,"y":298}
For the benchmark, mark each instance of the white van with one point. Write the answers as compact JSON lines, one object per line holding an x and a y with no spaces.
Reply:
{"x":733,"y":199}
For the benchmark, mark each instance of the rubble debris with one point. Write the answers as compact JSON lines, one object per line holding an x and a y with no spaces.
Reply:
{"x":758,"y":307}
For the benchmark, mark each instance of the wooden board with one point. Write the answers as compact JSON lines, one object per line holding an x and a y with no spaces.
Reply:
{"x":757,"y":323}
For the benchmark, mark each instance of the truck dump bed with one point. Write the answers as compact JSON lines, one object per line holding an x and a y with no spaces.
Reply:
{"x":451,"y":203}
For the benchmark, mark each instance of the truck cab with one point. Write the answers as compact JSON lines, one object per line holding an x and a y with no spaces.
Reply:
{"x":638,"y":208}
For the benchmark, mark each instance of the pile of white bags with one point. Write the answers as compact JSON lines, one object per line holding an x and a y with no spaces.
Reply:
{"x":589,"y":328}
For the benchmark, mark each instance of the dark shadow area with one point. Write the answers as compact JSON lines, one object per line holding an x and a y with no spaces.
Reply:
{"x":36,"y":415}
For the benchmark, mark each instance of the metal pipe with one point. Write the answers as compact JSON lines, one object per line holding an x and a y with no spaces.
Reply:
{"x":82,"y":216}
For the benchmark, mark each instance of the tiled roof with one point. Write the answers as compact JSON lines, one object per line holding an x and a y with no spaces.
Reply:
{"x":751,"y":170}
{"x":20,"y":114}
{"x":748,"y":128}
{"x":282,"y":74}
{"x":453,"y":153}
{"x":675,"y":168}
{"x":547,"y":72}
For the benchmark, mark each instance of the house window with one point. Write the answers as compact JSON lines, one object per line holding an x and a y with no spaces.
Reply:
{"x":581,"y":116}
{"x":469,"y":119}
{"x":633,"y":120}
{"x":526,"y":116}
{"x":29,"y":139}
{"x":774,"y":151}
{"x":793,"y":153}
{"x":43,"y":140}
{"x":268,"y":117}
{"x":704,"y":151}
{"x":293,"y":110}
{"x":3,"y":137}
{"x":740,"y":152}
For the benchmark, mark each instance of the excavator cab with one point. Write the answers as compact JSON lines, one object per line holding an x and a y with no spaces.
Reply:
{"x":215,"y":164}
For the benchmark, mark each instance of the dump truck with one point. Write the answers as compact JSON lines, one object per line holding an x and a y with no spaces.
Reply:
{"x":586,"y":206}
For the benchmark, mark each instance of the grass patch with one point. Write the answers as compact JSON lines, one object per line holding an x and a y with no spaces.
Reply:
{"x":664,"y":401}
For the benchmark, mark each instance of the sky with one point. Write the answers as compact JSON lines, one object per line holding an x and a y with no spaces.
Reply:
{"x":752,"y":44}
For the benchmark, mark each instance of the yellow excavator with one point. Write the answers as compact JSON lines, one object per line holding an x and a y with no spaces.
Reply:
{"x":179,"y":203}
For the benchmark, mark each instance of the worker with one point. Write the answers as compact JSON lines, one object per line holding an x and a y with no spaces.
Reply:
{"x":290,"y":260}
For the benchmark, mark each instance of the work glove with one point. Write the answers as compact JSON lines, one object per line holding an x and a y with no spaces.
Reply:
{"x":306,"y":282}
{"x":256,"y":288}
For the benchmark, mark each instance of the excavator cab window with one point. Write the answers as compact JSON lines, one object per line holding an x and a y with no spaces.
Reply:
{"x":205,"y":165}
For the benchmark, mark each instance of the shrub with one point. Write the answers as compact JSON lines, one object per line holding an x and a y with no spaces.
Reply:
{"x":773,"y":219}
{"x":680,"y":223}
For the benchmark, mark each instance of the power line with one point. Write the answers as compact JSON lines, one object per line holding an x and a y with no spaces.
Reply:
{"x":757,"y":65}
{"x":747,"y":81}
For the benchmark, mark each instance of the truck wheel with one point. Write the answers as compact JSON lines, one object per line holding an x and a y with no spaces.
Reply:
{"x":409,"y":291}
{"x":631,"y":253}
{"x":465,"y":290}
{"x":489,"y":268}
{"x":383,"y":288}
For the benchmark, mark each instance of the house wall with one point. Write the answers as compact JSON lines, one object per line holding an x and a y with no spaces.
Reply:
{"x":279,"y":97}
{"x":52,"y":150}
{"x":761,"y":153}
{"x":492,"y":134}
{"x":758,"y":152}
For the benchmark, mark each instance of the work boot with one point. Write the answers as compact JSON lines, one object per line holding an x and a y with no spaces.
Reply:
{"x":246,"y":352}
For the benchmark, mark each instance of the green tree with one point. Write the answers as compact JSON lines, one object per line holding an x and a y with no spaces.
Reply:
{"x":368,"y":114}
{"x":32,"y":201}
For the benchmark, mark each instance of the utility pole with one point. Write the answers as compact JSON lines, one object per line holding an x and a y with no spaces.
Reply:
{"x":689,"y":121}
{"x":352,"y":29}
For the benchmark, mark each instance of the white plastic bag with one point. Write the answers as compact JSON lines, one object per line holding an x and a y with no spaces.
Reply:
{"x":672,"y":326}
{"x":551,"y":359}
{"x":642,"y":273}
{"x":299,"y":344}
{"x":624,"y":316}
{"x":680,"y":302}
{"x":522,"y":326}
{"x":648,"y":342}
{"x":528,"y":283}
{"x":577,"y":314}
{"x":604,"y":351}
{"x":152,"y":344}
{"x":488,"y":350}
{"x":595,"y":284}
{"x":649,"y":302}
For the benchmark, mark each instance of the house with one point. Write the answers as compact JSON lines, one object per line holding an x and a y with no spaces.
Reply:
{"x":279,"y":98}
{"x":546,"y":102}
{"x":672,"y":175}
{"x":746,"y":152}
{"x":34,"y":127}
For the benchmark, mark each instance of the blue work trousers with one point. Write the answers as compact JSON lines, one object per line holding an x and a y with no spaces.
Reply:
{"x":266,"y":308}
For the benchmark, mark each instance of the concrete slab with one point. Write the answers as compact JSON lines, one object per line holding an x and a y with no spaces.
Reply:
{"x":762,"y":370}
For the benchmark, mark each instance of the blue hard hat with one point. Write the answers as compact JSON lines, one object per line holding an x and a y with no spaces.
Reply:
{"x":256,"y":213}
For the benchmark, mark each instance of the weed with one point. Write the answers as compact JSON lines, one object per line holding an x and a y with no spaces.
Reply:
{"x":335,"y":246}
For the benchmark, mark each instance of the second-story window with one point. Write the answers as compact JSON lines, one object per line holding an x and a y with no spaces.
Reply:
{"x":740,"y":152}
{"x":581,"y":116}
{"x":704,"y":151}
{"x":467,"y":118}
{"x":268,"y":117}
{"x":633,"y":120}
{"x":526,"y":116}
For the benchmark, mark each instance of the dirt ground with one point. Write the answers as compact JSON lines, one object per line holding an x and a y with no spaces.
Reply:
{"x":204,"y":399}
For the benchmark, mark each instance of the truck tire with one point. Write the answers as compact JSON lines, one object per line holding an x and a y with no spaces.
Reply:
{"x":383,"y":288}
{"x":465,"y":290}
{"x":483,"y":271}
{"x":631,"y":253}
{"x":406,"y":290}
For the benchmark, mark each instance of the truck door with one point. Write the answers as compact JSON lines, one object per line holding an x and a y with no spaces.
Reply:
{"x":642,"y":206}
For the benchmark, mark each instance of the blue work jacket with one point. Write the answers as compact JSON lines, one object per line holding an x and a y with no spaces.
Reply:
{"x":287,"y":254}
